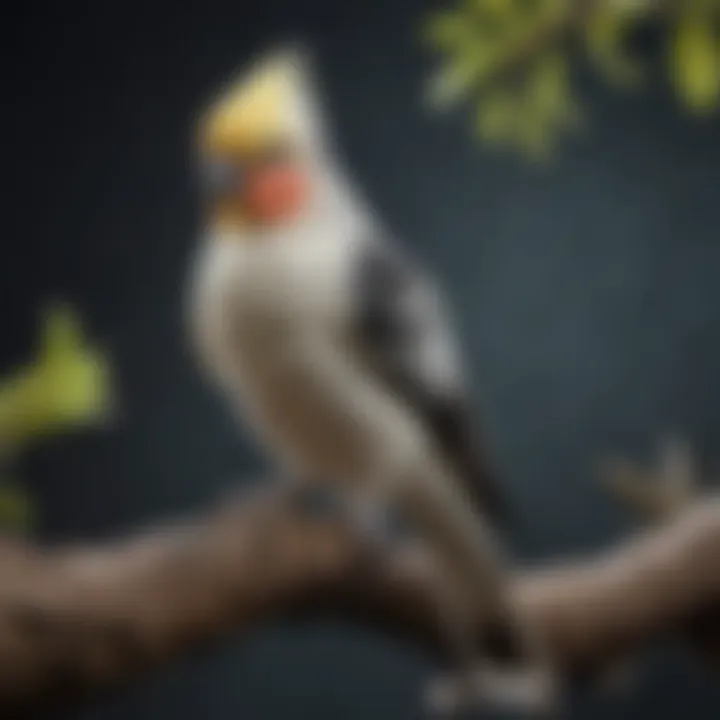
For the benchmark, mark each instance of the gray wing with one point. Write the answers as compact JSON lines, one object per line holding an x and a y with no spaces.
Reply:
{"x":407,"y":338}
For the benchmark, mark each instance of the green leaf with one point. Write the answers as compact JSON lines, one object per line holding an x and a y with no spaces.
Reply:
{"x":495,"y":12}
{"x":458,"y":76}
{"x":696,"y":62}
{"x":74,"y":376}
{"x":62,"y":331}
{"x":549,"y":85}
{"x":69,"y":386}
{"x":496,"y":117}
{"x":605,"y":36}
{"x":446,"y":30}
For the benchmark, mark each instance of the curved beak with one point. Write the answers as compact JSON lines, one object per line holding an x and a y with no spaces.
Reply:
{"x":220,"y":178}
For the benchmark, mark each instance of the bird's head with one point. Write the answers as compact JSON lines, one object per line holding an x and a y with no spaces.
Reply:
{"x":259,"y":145}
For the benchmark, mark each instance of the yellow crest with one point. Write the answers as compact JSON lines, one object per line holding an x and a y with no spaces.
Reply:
{"x":255,"y":111}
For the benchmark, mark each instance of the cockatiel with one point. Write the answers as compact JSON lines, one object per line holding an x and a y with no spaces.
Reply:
{"x":335,"y":348}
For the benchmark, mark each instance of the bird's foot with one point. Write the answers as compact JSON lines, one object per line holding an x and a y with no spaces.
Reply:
{"x":528,"y":691}
{"x":371,"y":518}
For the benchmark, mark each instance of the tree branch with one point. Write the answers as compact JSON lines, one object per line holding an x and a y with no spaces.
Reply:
{"x":658,"y":585}
{"x":75,"y":620}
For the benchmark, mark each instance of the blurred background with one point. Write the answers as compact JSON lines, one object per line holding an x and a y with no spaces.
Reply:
{"x":581,"y":254}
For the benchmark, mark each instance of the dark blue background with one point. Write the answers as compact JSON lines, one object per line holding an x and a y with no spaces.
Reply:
{"x":587,"y":293}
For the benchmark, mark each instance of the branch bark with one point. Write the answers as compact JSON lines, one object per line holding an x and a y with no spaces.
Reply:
{"x":74,"y":620}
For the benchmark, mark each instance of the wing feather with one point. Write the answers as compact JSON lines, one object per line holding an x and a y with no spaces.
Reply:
{"x":405,"y":333}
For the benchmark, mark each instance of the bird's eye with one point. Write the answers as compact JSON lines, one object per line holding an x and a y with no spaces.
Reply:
{"x":220,"y":178}
{"x":276,"y":153}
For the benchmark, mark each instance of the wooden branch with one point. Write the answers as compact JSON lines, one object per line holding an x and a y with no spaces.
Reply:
{"x":75,"y":620}
{"x":658,"y":585}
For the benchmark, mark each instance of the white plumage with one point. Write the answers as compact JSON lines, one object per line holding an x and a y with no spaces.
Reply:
{"x":272,"y":326}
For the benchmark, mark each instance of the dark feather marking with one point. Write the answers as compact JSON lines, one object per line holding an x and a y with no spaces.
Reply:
{"x":393,"y":331}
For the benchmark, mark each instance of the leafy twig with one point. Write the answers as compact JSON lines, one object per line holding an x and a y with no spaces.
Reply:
{"x":514,"y":60}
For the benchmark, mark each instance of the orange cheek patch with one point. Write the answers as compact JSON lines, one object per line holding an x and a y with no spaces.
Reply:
{"x":276,"y":194}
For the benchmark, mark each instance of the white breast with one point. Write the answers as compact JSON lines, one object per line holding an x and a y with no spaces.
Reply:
{"x":271,"y":323}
